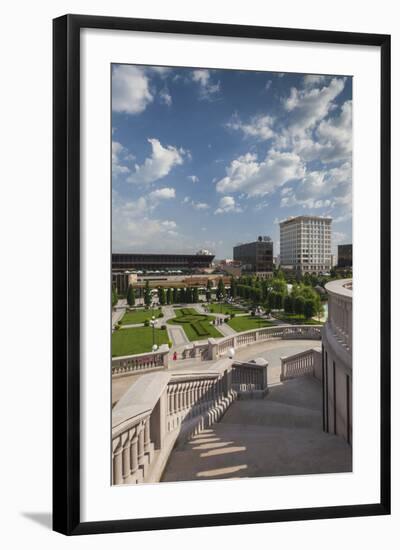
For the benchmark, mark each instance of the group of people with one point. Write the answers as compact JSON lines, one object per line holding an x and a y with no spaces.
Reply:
{"x":218,"y":321}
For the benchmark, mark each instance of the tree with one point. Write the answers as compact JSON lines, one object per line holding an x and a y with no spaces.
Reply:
{"x":147,"y":294}
{"x":288,"y":304}
{"x":114,"y":296}
{"x":278,"y":285}
{"x":208,"y":290}
{"x":182,"y":296}
{"x":221,"y":289}
{"x":188,"y":295}
{"x":169,"y":296}
{"x":319,"y":308}
{"x":271,"y":299}
{"x":161,"y":296}
{"x":233,"y":291}
{"x":255,"y":294}
{"x":309,"y":307}
{"x":299,"y":303}
{"x":131,"y":295}
{"x":175,"y":295}
{"x":195,"y":295}
{"x":279,"y":300}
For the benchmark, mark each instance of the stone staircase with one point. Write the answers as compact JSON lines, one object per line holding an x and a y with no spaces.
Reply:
{"x":278,"y":435}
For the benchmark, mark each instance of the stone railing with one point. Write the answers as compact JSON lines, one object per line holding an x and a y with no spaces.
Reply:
{"x":250,"y":380}
{"x":300,"y":364}
{"x":159,"y":409}
{"x":196,"y":350}
{"x":340,"y":298}
{"x":219,"y":348}
{"x":143,"y":362}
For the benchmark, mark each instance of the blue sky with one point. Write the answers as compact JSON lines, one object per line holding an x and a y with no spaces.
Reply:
{"x":206,"y":158}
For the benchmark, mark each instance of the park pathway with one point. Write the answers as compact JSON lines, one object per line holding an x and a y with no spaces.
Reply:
{"x":225,"y":329}
{"x":177,"y":335}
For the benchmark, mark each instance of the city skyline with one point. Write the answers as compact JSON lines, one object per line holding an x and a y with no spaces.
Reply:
{"x":210,"y":158}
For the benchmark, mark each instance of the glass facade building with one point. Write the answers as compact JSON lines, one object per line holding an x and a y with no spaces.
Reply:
{"x":255,"y":257}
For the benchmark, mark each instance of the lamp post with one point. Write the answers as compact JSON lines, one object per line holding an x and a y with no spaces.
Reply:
{"x":153,"y":325}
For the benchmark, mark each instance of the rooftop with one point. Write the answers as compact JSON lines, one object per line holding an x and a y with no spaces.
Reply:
{"x":305,"y":218}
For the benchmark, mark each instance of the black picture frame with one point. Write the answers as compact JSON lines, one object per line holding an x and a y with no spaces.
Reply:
{"x":66,"y":273}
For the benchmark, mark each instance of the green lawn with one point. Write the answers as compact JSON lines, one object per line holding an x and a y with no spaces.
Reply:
{"x":195,"y":325}
{"x":295,"y":319}
{"x":139,"y":316}
{"x":226,"y":309}
{"x":129,"y":341}
{"x":248,"y":322}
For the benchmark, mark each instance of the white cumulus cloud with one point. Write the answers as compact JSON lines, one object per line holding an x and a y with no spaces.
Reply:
{"x":166,"y":97}
{"x":259,"y":126}
{"x":135,"y":229}
{"x":208,"y":88}
{"x":227,"y":204}
{"x":159,"y":164}
{"x":163,"y":193}
{"x":321,"y":189}
{"x":248,"y":175}
{"x":130,"y":89}
{"x":311,"y":80}
{"x":309,"y":106}
{"x":118,"y":151}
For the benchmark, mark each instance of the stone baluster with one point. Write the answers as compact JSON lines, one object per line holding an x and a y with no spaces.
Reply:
{"x":133,"y":437}
{"x":117,"y":460}
{"x":126,"y":467}
{"x":147,"y":440}
{"x":141,"y":444}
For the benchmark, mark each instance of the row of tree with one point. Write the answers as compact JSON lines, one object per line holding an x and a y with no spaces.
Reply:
{"x":270,"y":293}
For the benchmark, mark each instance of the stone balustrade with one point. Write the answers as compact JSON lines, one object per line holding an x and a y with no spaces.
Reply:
{"x":340,"y":294}
{"x":221,"y":347}
{"x":133,"y":364}
{"x":160,"y":409}
{"x":302,"y":363}
{"x":249,"y":379}
{"x":196,"y":350}
{"x":337,"y":377}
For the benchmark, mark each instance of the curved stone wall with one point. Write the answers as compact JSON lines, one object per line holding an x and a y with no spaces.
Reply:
{"x":337,"y":360}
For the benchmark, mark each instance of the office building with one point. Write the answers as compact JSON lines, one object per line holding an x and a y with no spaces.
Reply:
{"x":255,"y":257}
{"x":345,"y":255}
{"x":306,"y":244}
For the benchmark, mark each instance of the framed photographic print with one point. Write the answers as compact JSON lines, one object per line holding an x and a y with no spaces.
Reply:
{"x":221,"y":274}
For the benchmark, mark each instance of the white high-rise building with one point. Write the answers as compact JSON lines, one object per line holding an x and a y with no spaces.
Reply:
{"x":306,"y":244}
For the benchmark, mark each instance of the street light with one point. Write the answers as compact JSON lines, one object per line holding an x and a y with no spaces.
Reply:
{"x":153,"y":325}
